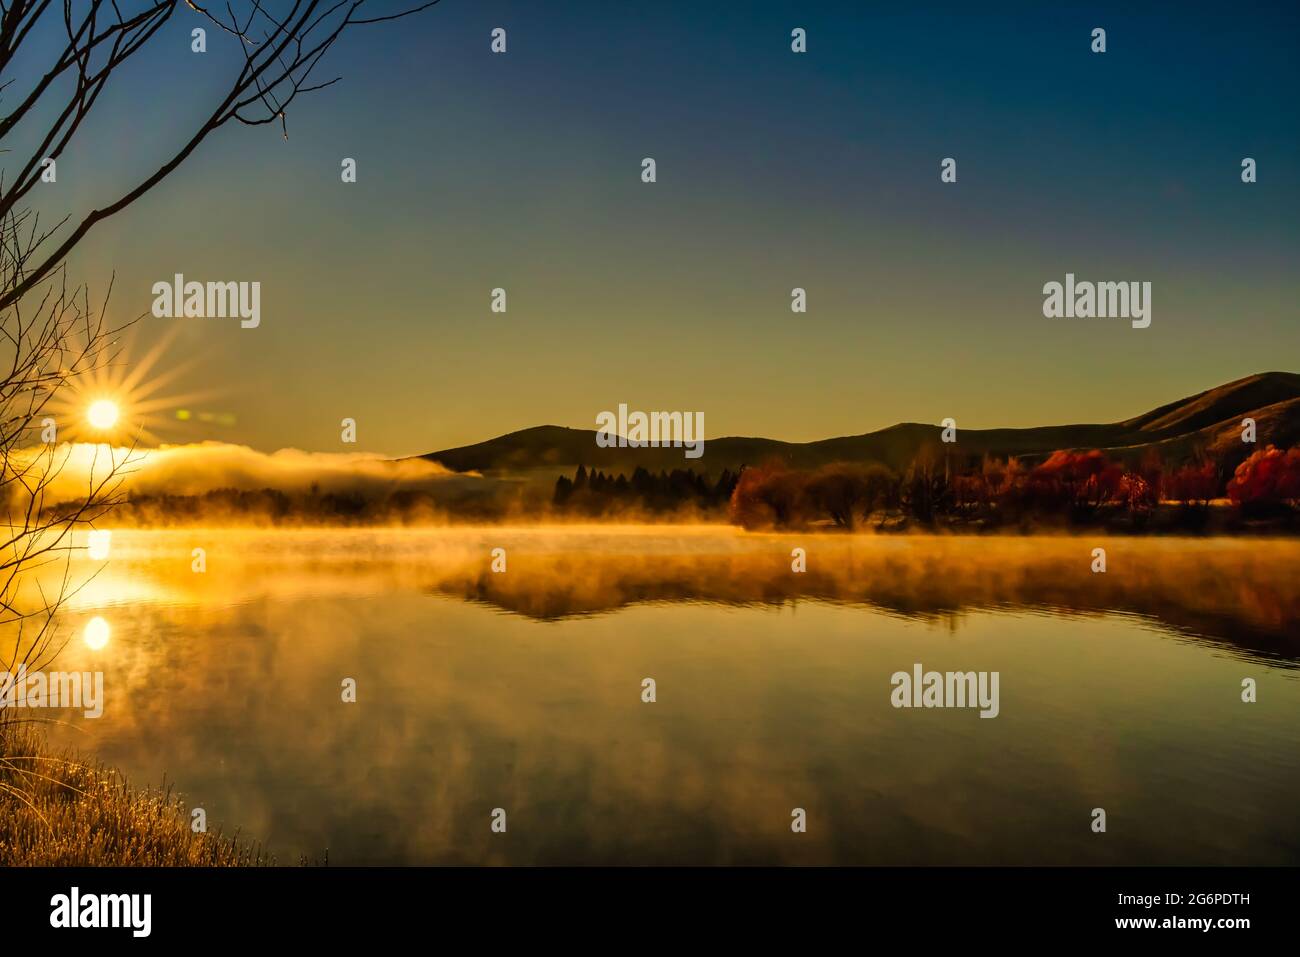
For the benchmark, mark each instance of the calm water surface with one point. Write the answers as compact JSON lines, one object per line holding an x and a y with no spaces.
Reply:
{"x":523,"y":691}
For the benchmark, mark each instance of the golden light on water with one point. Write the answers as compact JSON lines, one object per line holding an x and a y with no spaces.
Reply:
{"x":98,"y":543}
{"x":97,"y":633}
{"x":102,"y":414}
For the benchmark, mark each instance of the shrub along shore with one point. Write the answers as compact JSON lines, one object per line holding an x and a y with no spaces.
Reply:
{"x":59,"y":810}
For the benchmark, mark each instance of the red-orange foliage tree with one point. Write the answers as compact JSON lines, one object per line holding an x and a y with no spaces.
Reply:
{"x":1269,"y":477}
{"x":1085,"y":480}
{"x":1193,"y":485}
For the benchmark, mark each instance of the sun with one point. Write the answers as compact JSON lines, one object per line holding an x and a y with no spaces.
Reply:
{"x":125,"y":398}
{"x":102,"y":414}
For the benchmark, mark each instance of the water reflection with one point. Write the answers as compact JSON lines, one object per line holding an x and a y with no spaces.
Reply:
{"x":97,"y":633}
{"x":1240,"y":593}
{"x":521,"y":690}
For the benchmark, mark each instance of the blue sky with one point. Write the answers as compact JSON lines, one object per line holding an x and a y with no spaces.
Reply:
{"x":775,"y":170}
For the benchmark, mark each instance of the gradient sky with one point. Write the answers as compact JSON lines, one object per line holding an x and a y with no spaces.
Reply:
{"x":775,"y":170}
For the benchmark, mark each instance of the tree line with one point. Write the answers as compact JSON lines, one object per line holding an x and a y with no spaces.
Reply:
{"x":1069,"y":486}
{"x":596,"y":493}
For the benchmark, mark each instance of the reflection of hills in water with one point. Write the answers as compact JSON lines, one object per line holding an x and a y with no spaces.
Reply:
{"x":1244,"y":595}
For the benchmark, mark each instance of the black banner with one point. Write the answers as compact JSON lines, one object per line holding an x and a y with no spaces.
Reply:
{"x":329,"y":905}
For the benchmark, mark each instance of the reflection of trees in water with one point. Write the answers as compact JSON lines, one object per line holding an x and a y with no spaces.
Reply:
{"x":1244,"y":596}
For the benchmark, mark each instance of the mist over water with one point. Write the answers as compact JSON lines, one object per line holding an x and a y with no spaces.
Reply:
{"x":522,"y":690}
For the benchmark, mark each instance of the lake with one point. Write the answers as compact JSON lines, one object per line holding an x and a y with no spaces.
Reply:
{"x":522,"y":690}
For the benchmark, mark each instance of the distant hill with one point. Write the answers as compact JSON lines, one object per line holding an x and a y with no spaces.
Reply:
{"x":1210,"y":420}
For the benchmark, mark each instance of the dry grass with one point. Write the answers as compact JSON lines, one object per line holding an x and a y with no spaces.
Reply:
{"x":56,"y":809}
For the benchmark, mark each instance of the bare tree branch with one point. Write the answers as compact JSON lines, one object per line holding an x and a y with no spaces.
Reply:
{"x":278,"y":63}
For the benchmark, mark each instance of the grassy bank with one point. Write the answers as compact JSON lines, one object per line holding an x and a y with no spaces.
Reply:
{"x":60,"y":809}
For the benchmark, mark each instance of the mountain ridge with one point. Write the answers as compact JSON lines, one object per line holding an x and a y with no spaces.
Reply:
{"x":1209,"y":420}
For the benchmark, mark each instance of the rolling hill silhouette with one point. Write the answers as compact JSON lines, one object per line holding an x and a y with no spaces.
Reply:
{"x":1210,"y":420}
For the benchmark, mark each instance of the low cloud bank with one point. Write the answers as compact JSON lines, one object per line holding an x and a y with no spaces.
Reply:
{"x":206,"y":466}
{"x":194,"y":469}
